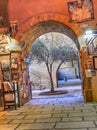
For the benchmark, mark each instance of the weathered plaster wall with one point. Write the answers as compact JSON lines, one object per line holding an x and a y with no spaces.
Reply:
{"x":25,"y":9}
{"x":32,"y":12}
{"x":4,"y":11}
{"x":22,"y":10}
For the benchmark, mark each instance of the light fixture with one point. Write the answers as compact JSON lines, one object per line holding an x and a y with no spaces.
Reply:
{"x":91,"y":32}
{"x":88,"y":32}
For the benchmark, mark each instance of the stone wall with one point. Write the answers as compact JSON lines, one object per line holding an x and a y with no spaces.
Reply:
{"x":40,"y":78}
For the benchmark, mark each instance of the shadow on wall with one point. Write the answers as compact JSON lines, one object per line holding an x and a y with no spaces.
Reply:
{"x":68,"y":76}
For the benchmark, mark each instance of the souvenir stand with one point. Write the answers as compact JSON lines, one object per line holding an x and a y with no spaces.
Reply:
{"x":89,"y":74}
{"x":24,"y":79}
{"x":13,"y":74}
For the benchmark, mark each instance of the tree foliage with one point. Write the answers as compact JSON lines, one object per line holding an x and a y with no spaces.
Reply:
{"x":41,"y":53}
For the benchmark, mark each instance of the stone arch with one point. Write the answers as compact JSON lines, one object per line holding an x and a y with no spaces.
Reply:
{"x":45,"y":27}
{"x":47,"y":22}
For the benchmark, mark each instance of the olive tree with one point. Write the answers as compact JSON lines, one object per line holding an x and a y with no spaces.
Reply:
{"x":63,"y":54}
{"x":40,"y":53}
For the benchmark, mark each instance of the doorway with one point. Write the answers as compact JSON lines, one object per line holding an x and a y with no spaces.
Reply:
{"x":45,"y":27}
{"x":39,"y":76}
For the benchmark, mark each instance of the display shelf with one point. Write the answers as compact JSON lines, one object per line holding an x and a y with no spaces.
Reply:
{"x":11,"y":94}
{"x":15,"y":69}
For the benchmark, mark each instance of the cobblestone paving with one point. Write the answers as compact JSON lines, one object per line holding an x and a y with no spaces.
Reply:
{"x":55,"y":113}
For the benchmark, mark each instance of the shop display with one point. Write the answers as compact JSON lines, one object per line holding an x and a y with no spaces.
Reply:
{"x":14,"y":72}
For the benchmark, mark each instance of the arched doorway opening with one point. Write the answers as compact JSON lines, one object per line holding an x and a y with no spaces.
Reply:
{"x":70,"y":69}
{"x":45,"y":27}
{"x":49,"y":26}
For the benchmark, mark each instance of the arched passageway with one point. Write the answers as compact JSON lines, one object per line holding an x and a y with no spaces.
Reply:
{"x":45,"y":27}
{"x":45,"y":18}
{"x":39,"y":75}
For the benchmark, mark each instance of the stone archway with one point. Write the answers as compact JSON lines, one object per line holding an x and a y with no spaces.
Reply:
{"x":45,"y":23}
{"x":45,"y":27}
{"x":48,"y":22}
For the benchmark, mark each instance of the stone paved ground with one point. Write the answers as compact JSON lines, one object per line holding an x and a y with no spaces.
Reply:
{"x":53,"y":113}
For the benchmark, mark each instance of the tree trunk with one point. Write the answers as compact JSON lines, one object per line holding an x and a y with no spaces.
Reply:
{"x":51,"y":81}
{"x":49,"y":68}
{"x":57,"y":73}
